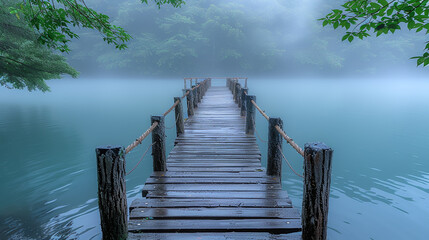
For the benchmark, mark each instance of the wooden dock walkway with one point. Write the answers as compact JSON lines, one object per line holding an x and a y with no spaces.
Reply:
{"x":214,"y":186}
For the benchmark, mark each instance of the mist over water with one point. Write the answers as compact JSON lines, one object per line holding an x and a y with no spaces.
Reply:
{"x":367,"y":100}
{"x":376,"y":128}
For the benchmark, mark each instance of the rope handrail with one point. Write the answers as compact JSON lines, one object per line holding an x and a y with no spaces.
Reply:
{"x":197,"y":86}
{"x":284,"y":135}
{"x":141,"y":159}
{"x":139,"y":140}
{"x":290,"y":141}
{"x":260,"y":110}
{"x":290,"y":166}
{"x":171,"y":108}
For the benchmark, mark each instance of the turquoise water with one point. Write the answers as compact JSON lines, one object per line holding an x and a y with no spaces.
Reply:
{"x":378,"y":130}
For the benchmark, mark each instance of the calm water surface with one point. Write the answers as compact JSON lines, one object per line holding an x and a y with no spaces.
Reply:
{"x":378,"y":130}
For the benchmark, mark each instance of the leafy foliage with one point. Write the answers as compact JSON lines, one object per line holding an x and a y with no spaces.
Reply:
{"x":54,"y":20}
{"x":23,"y":61}
{"x":360,"y":17}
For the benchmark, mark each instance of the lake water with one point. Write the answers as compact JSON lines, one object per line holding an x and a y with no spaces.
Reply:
{"x":378,"y":130}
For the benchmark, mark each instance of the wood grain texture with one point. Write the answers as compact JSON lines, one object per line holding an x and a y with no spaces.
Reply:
{"x":215,"y":186}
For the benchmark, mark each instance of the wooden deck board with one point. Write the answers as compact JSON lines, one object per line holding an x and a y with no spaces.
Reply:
{"x":215,"y":186}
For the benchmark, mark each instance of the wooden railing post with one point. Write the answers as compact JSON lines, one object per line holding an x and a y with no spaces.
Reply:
{"x":317,"y":182}
{"x":237,"y":93}
{"x":190,"y":102}
{"x":178,"y":113}
{"x":195,"y":97}
{"x":244,"y":92}
{"x":200,"y":92}
{"x":158,"y":141}
{"x":275,"y":140}
{"x":250,"y":114}
{"x":112,"y":194}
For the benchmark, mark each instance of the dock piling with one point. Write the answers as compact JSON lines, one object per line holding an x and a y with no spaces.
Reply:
{"x":317,"y":182}
{"x":275,"y":140}
{"x":112,"y":195}
{"x":158,"y":141}
{"x":195,"y":96}
{"x":244,"y":92}
{"x":190,"y":102}
{"x":178,"y":114}
{"x":237,"y":94}
{"x":250,"y":114}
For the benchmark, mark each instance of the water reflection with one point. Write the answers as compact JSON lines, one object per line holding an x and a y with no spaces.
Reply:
{"x":380,"y":172}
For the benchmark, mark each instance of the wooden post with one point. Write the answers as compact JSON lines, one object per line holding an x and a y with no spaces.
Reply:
{"x":190,"y":102}
{"x":274,"y":160}
{"x":245,"y":82}
{"x":250,"y":114}
{"x":178,"y":113}
{"x":233,"y":88}
{"x":112,"y":194}
{"x":195,"y":97}
{"x":200,"y":92}
{"x":237,"y":93}
{"x":184,"y":80}
{"x":244,"y":92}
{"x":158,"y":141}
{"x":317,"y":182}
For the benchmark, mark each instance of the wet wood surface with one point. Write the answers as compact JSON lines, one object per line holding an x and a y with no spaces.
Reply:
{"x":215,"y":186}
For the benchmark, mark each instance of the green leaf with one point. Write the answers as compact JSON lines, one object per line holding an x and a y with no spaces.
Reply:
{"x":325,"y":22}
{"x":410,"y":24}
{"x":420,"y":60}
{"x":383,"y":2}
{"x":350,"y":38}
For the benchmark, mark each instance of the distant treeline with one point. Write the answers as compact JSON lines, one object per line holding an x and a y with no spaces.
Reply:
{"x":239,"y":37}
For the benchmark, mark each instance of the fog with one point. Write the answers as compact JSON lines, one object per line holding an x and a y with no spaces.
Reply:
{"x":241,"y":38}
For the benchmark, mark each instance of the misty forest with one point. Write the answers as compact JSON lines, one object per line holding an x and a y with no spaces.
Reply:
{"x":79,"y":74}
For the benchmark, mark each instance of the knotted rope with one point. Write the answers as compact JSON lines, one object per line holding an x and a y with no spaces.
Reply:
{"x":139,"y":140}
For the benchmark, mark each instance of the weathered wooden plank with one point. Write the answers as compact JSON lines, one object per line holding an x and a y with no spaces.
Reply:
{"x":213,"y":165}
{"x":218,"y":169}
{"x":215,"y":236}
{"x":212,"y":187}
{"x":191,"y":161}
{"x":210,"y":203}
{"x":189,"y":180}
{"x":233,"y":225}
{"x":215,"y":213}
{"x":273,"y":194}
{"x":219,"y":156}
{"x":186,"y":174}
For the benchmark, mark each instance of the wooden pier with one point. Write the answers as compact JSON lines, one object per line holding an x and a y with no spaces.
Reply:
{"x":212,"y":184}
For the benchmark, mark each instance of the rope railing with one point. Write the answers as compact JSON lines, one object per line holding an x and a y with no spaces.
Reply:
{"x":288,"y":139}
{"x":290,"y":166}
{"x":139,"y":140}
{"x":260,"y":110}
{"x":171,"y":108}
{"x":141,"y":159}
